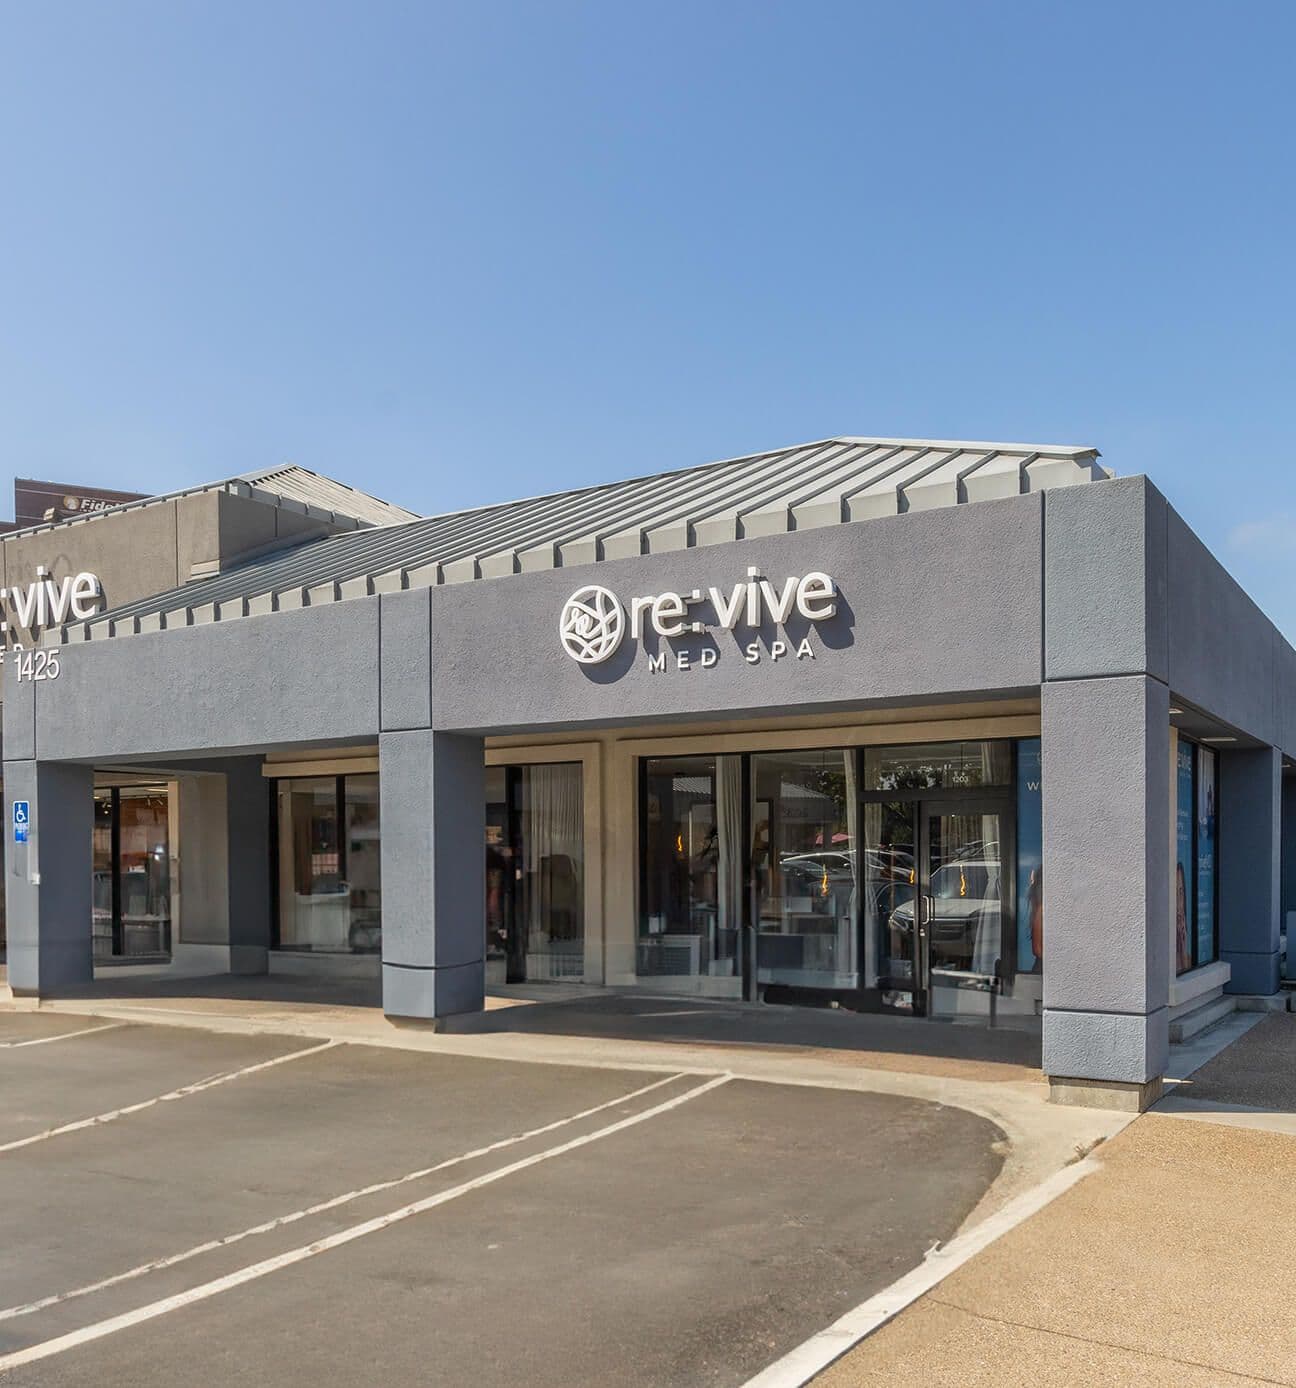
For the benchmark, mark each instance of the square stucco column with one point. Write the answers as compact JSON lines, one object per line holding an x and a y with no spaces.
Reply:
{"x":47,"y":879}
{"x":247,"y":820}
{"x":1249,"y":815}
{"x":433,"y":814}
{"x":1106,"y":784}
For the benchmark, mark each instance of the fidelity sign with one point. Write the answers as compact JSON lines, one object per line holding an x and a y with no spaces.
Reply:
{"x":594,"y":623}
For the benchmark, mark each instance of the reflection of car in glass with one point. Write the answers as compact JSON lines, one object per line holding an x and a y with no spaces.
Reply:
{"x":889,"y":862}
{"x":827,"y":876}
{"x":961,"y":896}
{"x":839,"y":866}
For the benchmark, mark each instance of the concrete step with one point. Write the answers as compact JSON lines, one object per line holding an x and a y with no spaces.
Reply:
{"x":1182,"y":1028}
{"x":1262,"y":1002}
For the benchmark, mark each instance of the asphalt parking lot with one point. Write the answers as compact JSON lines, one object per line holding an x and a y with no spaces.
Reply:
{"x":191,"y":1207}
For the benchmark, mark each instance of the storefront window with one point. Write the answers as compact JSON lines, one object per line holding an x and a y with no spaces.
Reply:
{"x":937,"y":766}
{"x":329,"y":880}
{"x":1184,"y":815}
{"x":131,"y":883}
{"x":1030,"y":858}
{"x":535,"y":872}
{"x":363,"y":862}
{"x":1196,"y":847}
{"x":785,"y":853}
{"x":691,"y":905}
{"x":890,"y":886}
{"x":1207,"y":793}
{"x":805,"y":811}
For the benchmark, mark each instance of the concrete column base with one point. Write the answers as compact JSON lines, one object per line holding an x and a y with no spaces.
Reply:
{"x":249,"y":959}
{"x":1110,"y":1094}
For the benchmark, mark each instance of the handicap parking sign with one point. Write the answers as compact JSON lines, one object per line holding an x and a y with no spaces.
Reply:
{"x":21,"y":820}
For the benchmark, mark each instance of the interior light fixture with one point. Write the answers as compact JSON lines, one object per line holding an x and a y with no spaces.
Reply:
{"x":1175,"y":710}
{"x":1218,"y":739}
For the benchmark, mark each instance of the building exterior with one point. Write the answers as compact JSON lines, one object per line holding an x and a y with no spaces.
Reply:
{"x":816,"y":725}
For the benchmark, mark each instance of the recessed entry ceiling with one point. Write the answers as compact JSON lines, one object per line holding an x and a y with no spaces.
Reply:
{"x":830,"y":482}
{"x":1203,"y":728}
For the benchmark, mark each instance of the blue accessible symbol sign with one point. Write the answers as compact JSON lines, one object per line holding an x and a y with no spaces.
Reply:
{"x":21,"y":820}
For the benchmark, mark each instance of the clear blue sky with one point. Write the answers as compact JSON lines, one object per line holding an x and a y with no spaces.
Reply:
{"x":455,"y":253}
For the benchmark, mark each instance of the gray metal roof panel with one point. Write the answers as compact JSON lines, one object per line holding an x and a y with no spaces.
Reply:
{"x":686,"y":507}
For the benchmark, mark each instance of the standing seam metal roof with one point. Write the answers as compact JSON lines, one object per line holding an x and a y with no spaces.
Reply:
{"x":828,"y":482}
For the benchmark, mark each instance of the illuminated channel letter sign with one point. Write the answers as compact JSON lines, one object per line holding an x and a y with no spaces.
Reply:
{"x":594,"y":623}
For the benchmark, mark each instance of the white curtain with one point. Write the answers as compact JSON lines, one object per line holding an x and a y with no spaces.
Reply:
{"x":729,"y":811}
{"x":553,"y":852}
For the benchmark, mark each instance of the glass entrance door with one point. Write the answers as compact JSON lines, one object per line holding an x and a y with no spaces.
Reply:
{"x":933,"y":904}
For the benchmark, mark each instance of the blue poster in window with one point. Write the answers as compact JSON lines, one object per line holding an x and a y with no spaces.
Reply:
{"x":1183,"y":878}
{"x":1030,"y":859}
{"x":1206,"y":795}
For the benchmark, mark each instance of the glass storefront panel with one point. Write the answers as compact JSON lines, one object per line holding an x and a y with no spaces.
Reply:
{"x":1196,"y":851}
{"x":363,"y":862}
{"x":890,"y":884}
{"x":964,"y":884}
{"x":131,"y":867}
{"x":1030,"y":857}
{"x":1182,"y":889}
{"x":1207,"y":791}
{"x":938,"y":766}
{"x":501,"y":874}
{"x":552,"y":915}
{"x":901,"y":898}
{"x":804,"y":816}
{"x":691,"y":903}
{"x":144,"y":871}
{"x":535,"y":873}
{"x":329,"y":873}
{"x":103,"y":882}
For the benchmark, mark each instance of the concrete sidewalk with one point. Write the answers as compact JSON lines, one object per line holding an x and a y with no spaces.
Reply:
{"x":1171,"y":1265}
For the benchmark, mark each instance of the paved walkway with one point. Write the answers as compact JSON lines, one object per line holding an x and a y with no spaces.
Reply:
{"x":1171,"y":1265}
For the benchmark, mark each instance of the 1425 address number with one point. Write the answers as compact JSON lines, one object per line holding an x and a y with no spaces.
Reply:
{"x":37,"y":665}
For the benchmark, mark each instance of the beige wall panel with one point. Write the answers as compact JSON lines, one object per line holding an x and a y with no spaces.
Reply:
{"x":133,"y":553}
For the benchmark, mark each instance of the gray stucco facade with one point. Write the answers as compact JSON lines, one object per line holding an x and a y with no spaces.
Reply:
{"x":1094,"y":605}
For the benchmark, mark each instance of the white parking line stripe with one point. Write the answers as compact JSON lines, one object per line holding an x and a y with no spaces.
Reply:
{"x":10,"y":1312}
{"x":685,"y":1012}
{"x":113,"y":1324}
{"x":62,"y":1036}
{"x":809,"y":1359}
{"x":182,"y":1093}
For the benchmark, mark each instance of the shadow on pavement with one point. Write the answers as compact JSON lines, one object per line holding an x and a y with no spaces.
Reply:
{"x":638,"y":1017}
{"x":622,"y":1016}
{"x":1258,"y":1070}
